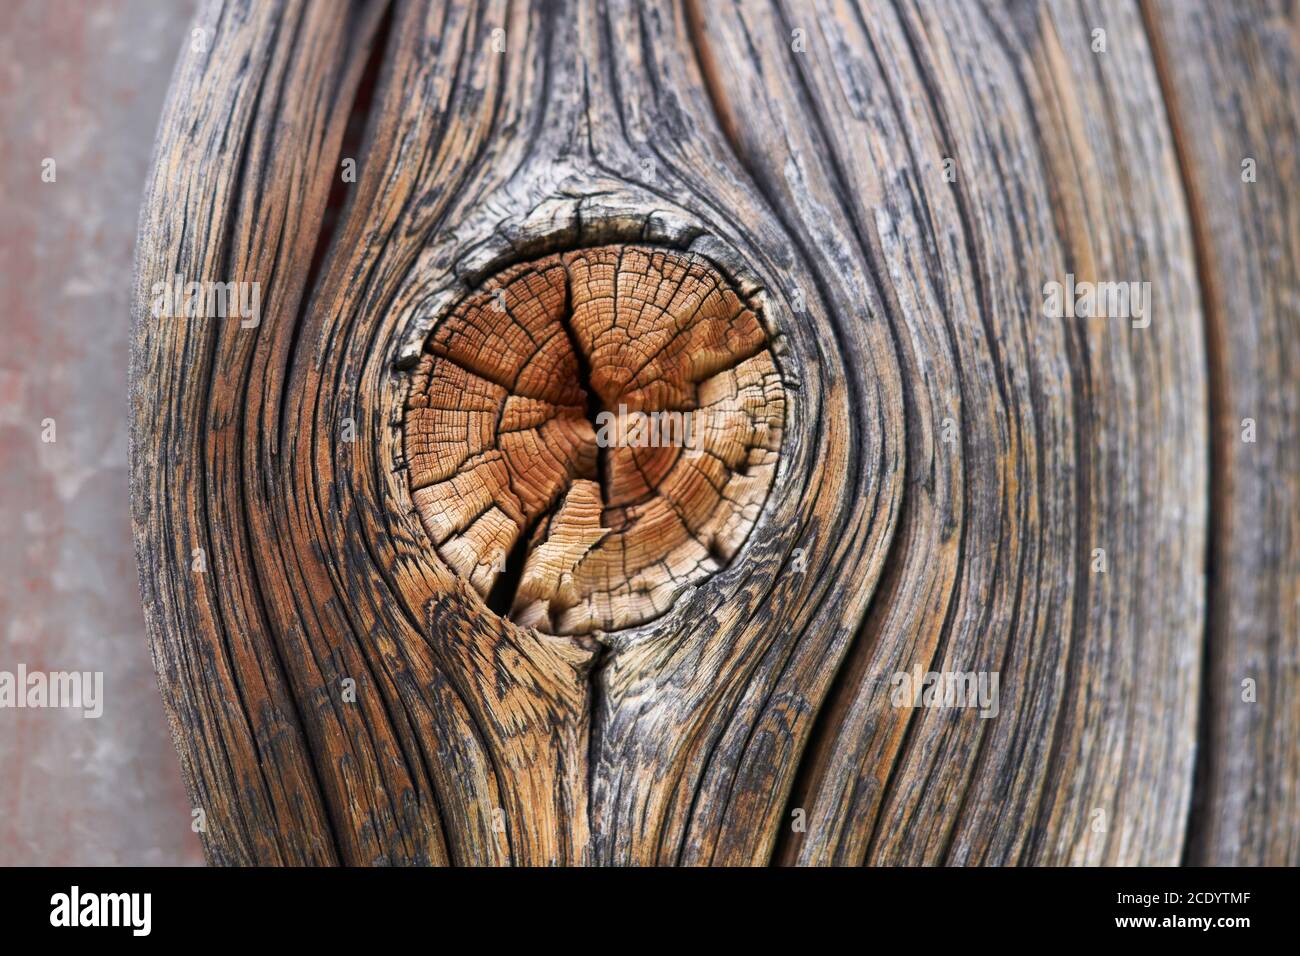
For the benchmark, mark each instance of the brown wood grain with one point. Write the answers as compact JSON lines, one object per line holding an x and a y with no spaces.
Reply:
{"x":1230,"y":78}
{"x":887,"y":188}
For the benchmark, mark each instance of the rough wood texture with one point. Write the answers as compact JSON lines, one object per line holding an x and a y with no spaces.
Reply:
{"x":1231,"y":75}
{"x":431,"y":620}
{"x":608,"y":418}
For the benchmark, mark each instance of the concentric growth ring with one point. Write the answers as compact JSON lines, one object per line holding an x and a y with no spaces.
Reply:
{"x":589,"y":433}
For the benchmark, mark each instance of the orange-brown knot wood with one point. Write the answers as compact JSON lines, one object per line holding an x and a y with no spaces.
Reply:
{"x":590,"y":433}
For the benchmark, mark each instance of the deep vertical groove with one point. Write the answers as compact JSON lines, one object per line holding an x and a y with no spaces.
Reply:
{"x":234,"y":200}
{"x":358,"y":120}
{"x":594,"y":404}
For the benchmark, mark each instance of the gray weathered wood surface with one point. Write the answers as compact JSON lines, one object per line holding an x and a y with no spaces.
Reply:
{"x":894,"y":183}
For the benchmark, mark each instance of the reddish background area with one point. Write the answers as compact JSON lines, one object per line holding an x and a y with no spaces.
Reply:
{"x":82,"y":83}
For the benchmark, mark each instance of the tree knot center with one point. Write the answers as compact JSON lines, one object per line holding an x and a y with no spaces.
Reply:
{"x":589,"y":433}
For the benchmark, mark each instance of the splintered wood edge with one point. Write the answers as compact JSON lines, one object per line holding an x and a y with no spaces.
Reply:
{"x":580,"y":461}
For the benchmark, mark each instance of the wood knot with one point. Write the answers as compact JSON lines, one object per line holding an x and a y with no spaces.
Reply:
{"x":591,"y":432}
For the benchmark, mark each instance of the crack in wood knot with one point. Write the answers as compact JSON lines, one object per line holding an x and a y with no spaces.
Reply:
{"x":591,"y":432}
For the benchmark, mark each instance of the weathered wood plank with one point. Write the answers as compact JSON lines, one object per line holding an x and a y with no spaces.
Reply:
{"x":247,"y":756}
{"x":1054,"y":172}
{"x":471,"y":721}
{"x":967,"y":480}
{"x":1232,"y":79}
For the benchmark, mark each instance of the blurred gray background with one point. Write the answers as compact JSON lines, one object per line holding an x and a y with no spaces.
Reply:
{"x":82,"y":83}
